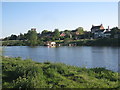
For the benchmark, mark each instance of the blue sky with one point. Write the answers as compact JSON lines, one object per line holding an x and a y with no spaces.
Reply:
{"x":19,"y":17}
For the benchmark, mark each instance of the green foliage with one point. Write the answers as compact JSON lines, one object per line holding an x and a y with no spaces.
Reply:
{"x":14,"y":43}
{"x":99,"y":42}
{"x":13,"y":37}
{"x":56,"y":34}
{"x":80,"y":30}
{"x":115,"y":31}
{"x":18,"y":73}
{"x":21,"y":37}
{"x":45,"y":31}
{"x":32,"y":37}
{"x":67,"y":41}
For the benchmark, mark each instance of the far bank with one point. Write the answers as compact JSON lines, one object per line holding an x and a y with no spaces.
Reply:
{"x":67,"y":42}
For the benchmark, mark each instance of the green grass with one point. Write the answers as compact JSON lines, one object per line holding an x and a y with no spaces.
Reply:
{"x":67,"y":41}
{"x":18,"y":73}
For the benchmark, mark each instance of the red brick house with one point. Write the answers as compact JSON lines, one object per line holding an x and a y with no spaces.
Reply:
{"x":62,"y":34}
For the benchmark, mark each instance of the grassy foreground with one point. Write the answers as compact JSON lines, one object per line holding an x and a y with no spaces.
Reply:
{"x":18,"y":73}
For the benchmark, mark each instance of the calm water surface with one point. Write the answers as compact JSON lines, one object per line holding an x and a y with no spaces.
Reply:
{"x":83,"y":56}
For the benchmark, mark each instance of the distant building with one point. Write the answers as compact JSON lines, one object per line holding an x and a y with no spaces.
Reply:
{"x":97,"y":31}
{"x":107,"y":33}
{"x":51,"y":44}
{"x":33,"y":29}
{"x":62,"y":34}
{"x":75,"y":32}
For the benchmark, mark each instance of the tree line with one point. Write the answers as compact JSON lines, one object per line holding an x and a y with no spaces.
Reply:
{"x":32,"y":38}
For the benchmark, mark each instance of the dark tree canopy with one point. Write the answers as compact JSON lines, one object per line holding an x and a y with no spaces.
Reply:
{"x":32,"y":37}
{"x":13,"y":37}
{"x":80,"y":30}
{"x":114,"y":31}
{"x":56,"y":34}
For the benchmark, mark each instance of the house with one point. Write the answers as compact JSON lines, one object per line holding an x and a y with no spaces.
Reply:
{"x":107,"y":33}
{"x":97,"y":31}
{"x":75,"y":32}
{"x":33,"y":29}
{"x":62,"y":34}
{"x":51,"y":44}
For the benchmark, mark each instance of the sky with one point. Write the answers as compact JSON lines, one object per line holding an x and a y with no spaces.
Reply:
{"x":19,"y":17}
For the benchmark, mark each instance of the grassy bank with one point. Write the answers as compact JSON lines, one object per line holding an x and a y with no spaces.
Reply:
{"x":67,"y":42}
{"x":100,"y":42}
{"x":19,"y":43}
{"x":18,"y":73}
{"x":93,"y":42}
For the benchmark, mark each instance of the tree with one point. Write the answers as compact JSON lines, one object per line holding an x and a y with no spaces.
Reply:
{"x":56,"y":34}
{"x":87,"y":34}
{"x":114,"y":31}
{"x":44,"y":31}
{"x":21,"y":36}
{"x":68,"y":34}
{"x":6,"y":38}
{"x":80,"y":30}
{"x":13,"y":37}
{"x":66,"y":41}
{"x":32,"y":37}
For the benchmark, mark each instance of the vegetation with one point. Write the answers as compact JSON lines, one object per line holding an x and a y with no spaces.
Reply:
{"x":56,"y":34}
{"x":77,"y":37}
{"x":14,"y":43}
{"x":89,"y":42}
{"x":32,"y":37}
{"x":18,"y":73}
{"x":80,"y":30}
{"x":99,"y":42}
{"x":67,"y":41}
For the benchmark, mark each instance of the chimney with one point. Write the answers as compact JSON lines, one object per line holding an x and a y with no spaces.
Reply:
{"x":108,"y":28}
{"x":33,"y":29}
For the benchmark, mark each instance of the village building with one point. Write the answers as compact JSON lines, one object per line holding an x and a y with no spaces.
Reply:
{"x":62,"y":34}
{"x":75,"y":32}
{"x":51,"y":44}
{"x":33,"y":29}
{"x":107,"y":33}
{"x":97,"y":31}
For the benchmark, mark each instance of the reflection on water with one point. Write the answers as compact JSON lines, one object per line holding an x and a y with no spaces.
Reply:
{"x":83,"y":56}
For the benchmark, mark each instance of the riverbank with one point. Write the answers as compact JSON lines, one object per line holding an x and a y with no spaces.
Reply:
{"x":68,"y":42}
{"x":92,"y":42}
{"x":18,"y":73}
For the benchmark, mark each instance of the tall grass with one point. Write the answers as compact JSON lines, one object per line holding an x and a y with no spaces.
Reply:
{"x":18,"y":73}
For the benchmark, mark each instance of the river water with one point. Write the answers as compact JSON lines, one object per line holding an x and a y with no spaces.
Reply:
{"x":82,"y":56}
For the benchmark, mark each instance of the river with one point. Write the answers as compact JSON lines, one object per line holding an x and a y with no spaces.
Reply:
{"x":82,"y":56}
